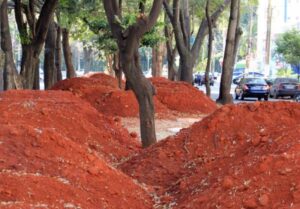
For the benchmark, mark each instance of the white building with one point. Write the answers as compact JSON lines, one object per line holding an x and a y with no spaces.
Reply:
{"x":285,"y":16}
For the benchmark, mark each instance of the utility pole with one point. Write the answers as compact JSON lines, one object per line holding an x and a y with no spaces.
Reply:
{"x":268,"y":37}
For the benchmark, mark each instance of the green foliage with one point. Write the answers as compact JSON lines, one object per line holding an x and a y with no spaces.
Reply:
{"x":285,"y":72}
{"x":288,"y":45}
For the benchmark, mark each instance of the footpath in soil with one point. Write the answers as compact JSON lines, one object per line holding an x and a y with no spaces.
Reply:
{"x":56,"y":151}
{"x":241,"y":156}
{"x":172,"y":98}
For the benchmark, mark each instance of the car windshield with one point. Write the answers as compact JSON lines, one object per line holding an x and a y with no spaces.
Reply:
{"x":287,"y":80}
{"x":255,"y":81}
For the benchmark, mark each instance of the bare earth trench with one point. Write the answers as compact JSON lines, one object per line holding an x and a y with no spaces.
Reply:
{"x":164,"y":127}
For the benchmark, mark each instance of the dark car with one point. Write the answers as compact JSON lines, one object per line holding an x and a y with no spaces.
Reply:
{"x":252,"y":87}
{"x":200,"y":79}
{"x":284,"y":87}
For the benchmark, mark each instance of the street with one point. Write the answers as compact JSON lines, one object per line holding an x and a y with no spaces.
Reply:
{"x":215,"y":93}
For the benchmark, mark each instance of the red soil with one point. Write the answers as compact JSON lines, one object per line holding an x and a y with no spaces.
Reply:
{"x":41,"y":168}
{"x":101,"y":92}
{"x":241,"y":156}
{"x":70,"y":117}
{"x":182,"y":97}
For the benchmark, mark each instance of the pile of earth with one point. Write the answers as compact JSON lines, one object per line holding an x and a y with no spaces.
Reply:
{"x":54,"y":153}
{"x":241,"y":156}
{"x":101,"y":91}
{"x":44,"y":169}
{"x":182,"y":97}
{"x":71,"y":117}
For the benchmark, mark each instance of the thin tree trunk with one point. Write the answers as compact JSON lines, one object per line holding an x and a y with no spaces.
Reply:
{"x":157,"y":60}
{"x":87,"y":54}
{"x":109,"y":64}
{"x":117,"y":68}
{"x":229,"y":55}
{"x":58,"y":54}
{"x":68,"y":54}
{"x":268,"y":34}
{"x":171,"y":52}
{"x":50,"y":75}
{"x":209,"y":53}
{"x":11,"y":78}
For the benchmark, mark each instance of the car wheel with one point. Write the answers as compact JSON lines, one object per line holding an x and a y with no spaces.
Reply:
{"x":297,"y":98}
{"x":236,"y":96}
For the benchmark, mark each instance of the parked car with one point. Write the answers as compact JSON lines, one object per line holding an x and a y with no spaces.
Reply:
{"x":284,"y":87}
{"x":200,"y":79}
{"x":251,"y":74}
{"x":252,"y":87}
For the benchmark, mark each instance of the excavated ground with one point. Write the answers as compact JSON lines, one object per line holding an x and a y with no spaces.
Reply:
{"x":62,"y":149}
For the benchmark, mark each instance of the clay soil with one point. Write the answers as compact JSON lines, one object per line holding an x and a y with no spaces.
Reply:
{"x":241,"y":156}
{"x":102,"y":92}
{"x":59,"y":149}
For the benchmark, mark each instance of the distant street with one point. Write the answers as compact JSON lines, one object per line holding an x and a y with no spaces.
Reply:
{"x":215,"y":93}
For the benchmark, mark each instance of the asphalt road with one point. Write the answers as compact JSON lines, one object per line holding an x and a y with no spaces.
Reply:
{"x":215,"y":93}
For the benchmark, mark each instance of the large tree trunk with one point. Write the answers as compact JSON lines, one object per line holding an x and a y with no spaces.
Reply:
{"x":33,"y":41}
{"x":157,"y":60}
{"x":128,"y":44}
{"x":209,"y":54}
{"x":233,"y":36}
{"x":11,"y":79}
{"x":143,"y":91}
{"x":68,"y":54}
{"x":180,"y":22}
{"x":50,"y":73}
{"x":58,"y":54}
{"x":186,"y":64}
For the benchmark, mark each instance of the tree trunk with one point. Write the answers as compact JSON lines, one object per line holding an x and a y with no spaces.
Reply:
{"x":109,"y":64}
{"x":186,"y":64}
{"x":157,"y":60}
{"x":11,"y":79}
{"x":33,"y":41}
{"x":68,"y":54}
{"x":128,"y":43}
{"x":117,"y":68}
{"x":2,"y":63}
{"x":143,"y":91}
{"x":50,"y":73}
{"x":171,"y":52}
{"x":229,"y":56}
{"x":180,"y":22}
{"x":58,"y":54}
{"x":209,"y":54}
{"x":87,"y":54}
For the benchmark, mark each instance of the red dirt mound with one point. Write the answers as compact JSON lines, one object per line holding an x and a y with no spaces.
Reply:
{"x":106,"y":99}
{"x":71,"y":117}
{"x":232,"y":159}
{"x":182,"y":97}
{"x":106,"y":80}
{"x":41,"y":168}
